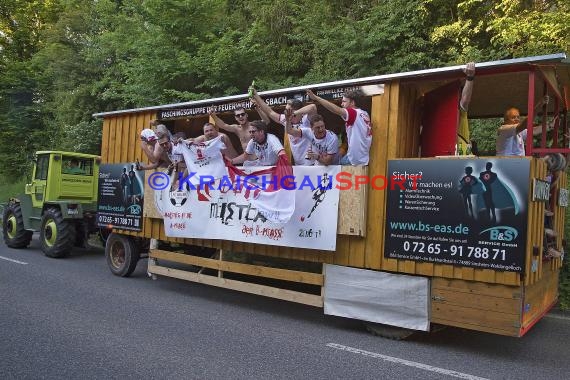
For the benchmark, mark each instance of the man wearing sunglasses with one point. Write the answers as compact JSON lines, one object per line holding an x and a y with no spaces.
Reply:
{"x":152,"y":149}
{"x":263,"y":149}
{"x":299,"y":118}
{"x":241,"y":129}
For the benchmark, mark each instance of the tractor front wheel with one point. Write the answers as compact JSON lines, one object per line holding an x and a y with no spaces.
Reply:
{"x":57,"y":235}
{"x":15,"y":236}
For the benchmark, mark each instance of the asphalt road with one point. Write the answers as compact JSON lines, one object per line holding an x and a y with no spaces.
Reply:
{"x":71,"y":318}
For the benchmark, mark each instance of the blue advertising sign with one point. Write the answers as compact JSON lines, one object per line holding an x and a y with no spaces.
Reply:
{"x":469,"y":212}
{"x":121,"y":196}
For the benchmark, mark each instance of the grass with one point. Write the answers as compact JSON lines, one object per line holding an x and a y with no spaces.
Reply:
{"x":11,"y":189}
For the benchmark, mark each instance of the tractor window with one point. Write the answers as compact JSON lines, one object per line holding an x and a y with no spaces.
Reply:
{"x":42,"y":167}
{"x":77,"y":166}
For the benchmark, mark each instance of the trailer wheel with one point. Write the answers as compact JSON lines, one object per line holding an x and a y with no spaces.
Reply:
{"x":57,"y":235}
{"x":387,"y":331}
{"x":15,"y":236}
{"x":122,"y":254}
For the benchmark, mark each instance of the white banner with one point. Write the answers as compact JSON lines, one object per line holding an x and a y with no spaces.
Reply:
{"x":238,"y":209}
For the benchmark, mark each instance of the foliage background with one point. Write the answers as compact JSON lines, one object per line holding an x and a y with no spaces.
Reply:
{"x":63,"y":60}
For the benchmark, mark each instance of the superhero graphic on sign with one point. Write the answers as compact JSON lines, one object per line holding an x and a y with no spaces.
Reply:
{"x":496,"y":195}
{"x":467,"y":186}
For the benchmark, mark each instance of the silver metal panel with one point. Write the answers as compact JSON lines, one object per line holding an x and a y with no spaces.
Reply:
{"x":381,"y":297}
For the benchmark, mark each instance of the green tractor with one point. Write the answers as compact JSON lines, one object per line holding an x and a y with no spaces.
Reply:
{"x":60,"y":203}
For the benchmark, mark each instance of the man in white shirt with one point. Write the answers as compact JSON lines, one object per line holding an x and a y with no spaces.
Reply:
{"x":203,"y":158}
{"x":263,"y":149}
{"x":210,"y":133}
{"x":300,"y":118}
{"x":358,"y":127}
{"x":323,"y":144}
{"x":511,"y":136}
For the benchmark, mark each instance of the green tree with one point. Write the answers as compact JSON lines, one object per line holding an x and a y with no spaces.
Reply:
{"x":23,"y":130}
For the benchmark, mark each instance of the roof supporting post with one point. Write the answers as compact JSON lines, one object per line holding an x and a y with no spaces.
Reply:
{"x":557,"y":124}
{"x":544,"y":117}
{"x":530,"y":108}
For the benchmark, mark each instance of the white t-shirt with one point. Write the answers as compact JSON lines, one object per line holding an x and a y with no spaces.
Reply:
{"x":175,"y":157}
{"x":509,"y":143}
{"x":359,"y":136}
{"x":326,"y":145}
{"x":299,"y":146}
{"x":267,"y":153}
{"x":204,"y":159}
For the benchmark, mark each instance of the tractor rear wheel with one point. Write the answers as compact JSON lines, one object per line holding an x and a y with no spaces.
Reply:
{"x":15,"y":236}
{"x":57,"y":235}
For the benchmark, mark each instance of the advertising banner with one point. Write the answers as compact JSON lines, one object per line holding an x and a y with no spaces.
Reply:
{"x":303,"y":213}
{"x":121,"y":196}
{"x":469,"y":212}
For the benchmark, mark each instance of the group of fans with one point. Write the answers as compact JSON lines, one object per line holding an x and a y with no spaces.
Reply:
{"x":310,"y":141}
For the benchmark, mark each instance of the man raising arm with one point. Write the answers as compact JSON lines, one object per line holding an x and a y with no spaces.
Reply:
{"x":240,"y":129}
{"x":358,"y":128}
{"x":300,"y":118}
{"x":263,"y":149}
{"x":512,"y":134}
{"x":323,"y":144}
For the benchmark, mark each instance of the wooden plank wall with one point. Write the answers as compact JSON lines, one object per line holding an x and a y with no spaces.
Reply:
{"x":559,"y":219}
{"x":535,"y":228}
{"x":396,"y":117}
{"x":121,"y":143}
{"x":493,"y":308}
{"x":540,"y":296}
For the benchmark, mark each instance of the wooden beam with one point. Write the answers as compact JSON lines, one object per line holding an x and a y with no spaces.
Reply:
{"x":262,"y":290}
{"x":251,"y":270}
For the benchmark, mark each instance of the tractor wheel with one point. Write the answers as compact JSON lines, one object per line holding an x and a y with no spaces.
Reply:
{"x":57,"y":235}
{"x":122,"y":254}
{"x":15,"y":236}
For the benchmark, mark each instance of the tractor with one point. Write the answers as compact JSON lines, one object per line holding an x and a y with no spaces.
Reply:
{"x":60,"y":202}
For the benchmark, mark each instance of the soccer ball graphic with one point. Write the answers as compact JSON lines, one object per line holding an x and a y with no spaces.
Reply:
{"x":178,"y":198}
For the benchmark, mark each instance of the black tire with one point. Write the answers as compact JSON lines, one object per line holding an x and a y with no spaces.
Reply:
{"x":57,"y":235}
{"x":81,"y":237}
{"x":104,"y":233}
{"x":122,"y":254}
{"x":388,"y":332}
{"x":15,"y":236}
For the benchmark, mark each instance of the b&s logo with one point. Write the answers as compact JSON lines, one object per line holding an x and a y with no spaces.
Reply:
{"x":501,"y":233}
{"x":134,"y":210}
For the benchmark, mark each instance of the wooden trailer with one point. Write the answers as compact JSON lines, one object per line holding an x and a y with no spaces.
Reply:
{"x":375,"y":273}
